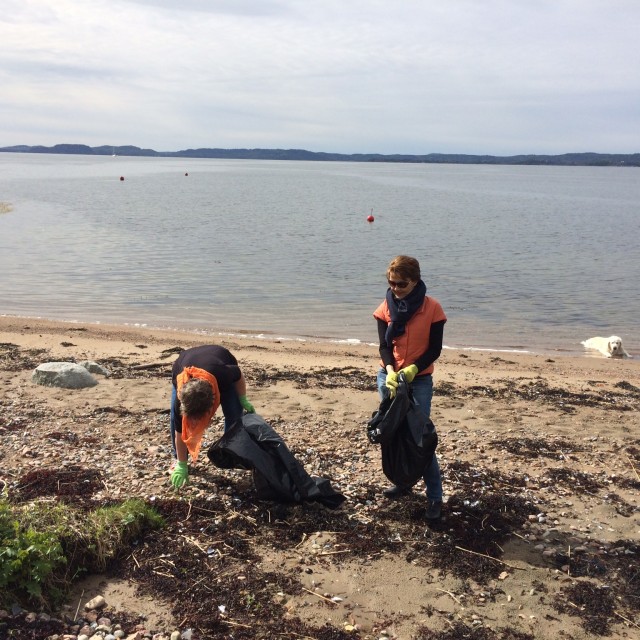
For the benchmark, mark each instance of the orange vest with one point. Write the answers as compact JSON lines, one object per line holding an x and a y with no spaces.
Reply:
{"x":193,"y":428}
{"x":408,"y":347}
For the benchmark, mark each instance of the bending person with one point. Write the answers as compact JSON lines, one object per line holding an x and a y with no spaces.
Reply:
{"x":203,"y":378}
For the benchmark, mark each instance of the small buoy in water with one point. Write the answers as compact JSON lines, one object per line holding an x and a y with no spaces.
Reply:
{"x":186,"y":174}
{"x":121,"y":178}
{"x":370,"y":218}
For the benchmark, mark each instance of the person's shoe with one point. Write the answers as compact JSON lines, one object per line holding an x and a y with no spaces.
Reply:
{"x":434,"y":510}
{"x":396,"y":492}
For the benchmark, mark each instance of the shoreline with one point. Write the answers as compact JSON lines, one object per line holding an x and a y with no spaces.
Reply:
{"x":272,"y":336}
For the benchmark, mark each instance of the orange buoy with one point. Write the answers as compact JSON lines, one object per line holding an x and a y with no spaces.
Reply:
{"x":370,"y":218}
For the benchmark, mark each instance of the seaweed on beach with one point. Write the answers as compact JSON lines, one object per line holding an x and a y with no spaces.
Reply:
{"x":578,"y":481}
{"x":118,"y":369}
{"x":69,"y":484}
{"x":627,"y":386}
{"x":539,"y":390}
{"x":13,"y":358}
{"x":468,"y":543}
{"x":594,"y":604}
{"x":323,"y":378}
{"x":205,"y":563}
{"x":476,"y":476}
{"x":460,"y":631}
{"x":556,"y":449}
{"x":621,"y":506}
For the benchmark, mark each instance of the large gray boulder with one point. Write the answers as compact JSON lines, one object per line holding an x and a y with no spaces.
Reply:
{"x":63,"y":374}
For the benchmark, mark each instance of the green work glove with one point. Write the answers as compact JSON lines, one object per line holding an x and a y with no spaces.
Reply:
{"x":392,"y":383}
{"x":180,"y":475}
{"x":410,"y":372}
{"x":246,"y":405}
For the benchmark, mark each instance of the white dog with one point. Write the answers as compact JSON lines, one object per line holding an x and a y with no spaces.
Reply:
{"x":610,"y":347}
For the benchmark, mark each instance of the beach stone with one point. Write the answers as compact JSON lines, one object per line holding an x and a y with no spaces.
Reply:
{"x":63,"y":374}
{"x":96,"y":603}
{"x":94,"y":367}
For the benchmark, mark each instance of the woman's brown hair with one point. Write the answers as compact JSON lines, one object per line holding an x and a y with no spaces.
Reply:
{"x":404,"y":267}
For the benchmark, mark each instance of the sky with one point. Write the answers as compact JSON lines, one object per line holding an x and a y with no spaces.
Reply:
{"x":498,"y":77}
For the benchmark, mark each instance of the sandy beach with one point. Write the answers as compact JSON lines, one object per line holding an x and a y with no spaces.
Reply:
{"x":540,"y":459}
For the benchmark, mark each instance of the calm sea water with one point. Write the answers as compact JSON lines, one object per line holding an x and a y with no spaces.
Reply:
{"x":532,"y":258}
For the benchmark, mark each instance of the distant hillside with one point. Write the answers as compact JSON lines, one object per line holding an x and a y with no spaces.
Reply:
{"x":567,"y":159}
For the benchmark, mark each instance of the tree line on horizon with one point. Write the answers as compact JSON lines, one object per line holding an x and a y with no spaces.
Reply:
{"x":566,"y":159}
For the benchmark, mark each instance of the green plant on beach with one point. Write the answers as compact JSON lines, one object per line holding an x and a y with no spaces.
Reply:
{"x":28,"y":558}
{"x":45,"y":546}
{"x":113,"y":528}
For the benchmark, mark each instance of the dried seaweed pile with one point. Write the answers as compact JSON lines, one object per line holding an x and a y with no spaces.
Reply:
{"x":322,"y":378}
{"x":70,"y":485}
{"x":13,"y":358}
{"x":207,"y":561}
{"x":526,"y":447}
{"x":539,"y":391}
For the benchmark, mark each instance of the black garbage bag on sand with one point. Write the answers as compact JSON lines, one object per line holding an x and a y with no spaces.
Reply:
{"x":407,"y":437}
{"x":251,"y":443}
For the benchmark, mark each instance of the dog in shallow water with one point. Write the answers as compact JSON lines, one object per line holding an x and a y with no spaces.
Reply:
{"x":610,"y":347}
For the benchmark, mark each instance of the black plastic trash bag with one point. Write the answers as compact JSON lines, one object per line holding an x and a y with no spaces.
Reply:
{"x":253,"y":444}
{"x":407,"y":437}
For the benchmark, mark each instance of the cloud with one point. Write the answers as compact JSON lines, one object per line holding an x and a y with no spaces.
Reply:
{"x":412,"y":76}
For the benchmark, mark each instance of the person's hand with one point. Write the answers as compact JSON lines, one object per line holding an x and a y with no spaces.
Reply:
{"x":410,"y":372}
{"x":391,"y":383}
{"x":180,"y":475}
{"x":246,"y":405}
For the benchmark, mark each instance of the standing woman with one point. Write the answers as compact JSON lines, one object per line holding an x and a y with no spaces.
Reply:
{"x":410,"y":329}
{"x":203,"y":379}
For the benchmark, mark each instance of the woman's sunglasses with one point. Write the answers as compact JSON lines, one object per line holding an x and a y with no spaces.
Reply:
{"x":398,"y":285}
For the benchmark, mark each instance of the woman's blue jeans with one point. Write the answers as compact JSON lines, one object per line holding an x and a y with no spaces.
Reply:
{"x":231,"y":408}
{"x":422,"y":388}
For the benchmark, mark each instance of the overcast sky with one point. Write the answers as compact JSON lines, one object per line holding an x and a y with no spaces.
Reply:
{"x":354,"y":76}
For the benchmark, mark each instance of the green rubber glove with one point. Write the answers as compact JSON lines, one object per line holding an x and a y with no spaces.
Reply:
{"x":180,"y":475}
{"x":410,"y":372}
{"x":392,"y":383}
{"x":246,"y":405}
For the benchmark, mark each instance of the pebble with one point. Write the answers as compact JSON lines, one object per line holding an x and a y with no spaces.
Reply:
{"x":96,"y":603}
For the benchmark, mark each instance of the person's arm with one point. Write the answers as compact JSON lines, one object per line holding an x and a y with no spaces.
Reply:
{"x":182,"y":452}
{"x":241,"y":389}
{"x":180,"y":472}
{"x":386,"y":351}
{"x":241,"y":386}
{"x":434,"y":350}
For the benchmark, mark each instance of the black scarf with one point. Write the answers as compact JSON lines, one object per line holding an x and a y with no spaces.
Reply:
{"x":402,"y":311}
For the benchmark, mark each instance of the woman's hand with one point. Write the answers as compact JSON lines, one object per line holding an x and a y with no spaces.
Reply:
{"x":180,"y":475}
{"x":391,"y":382}
{"x":246,"y":405}
{"x":410,"y":372}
